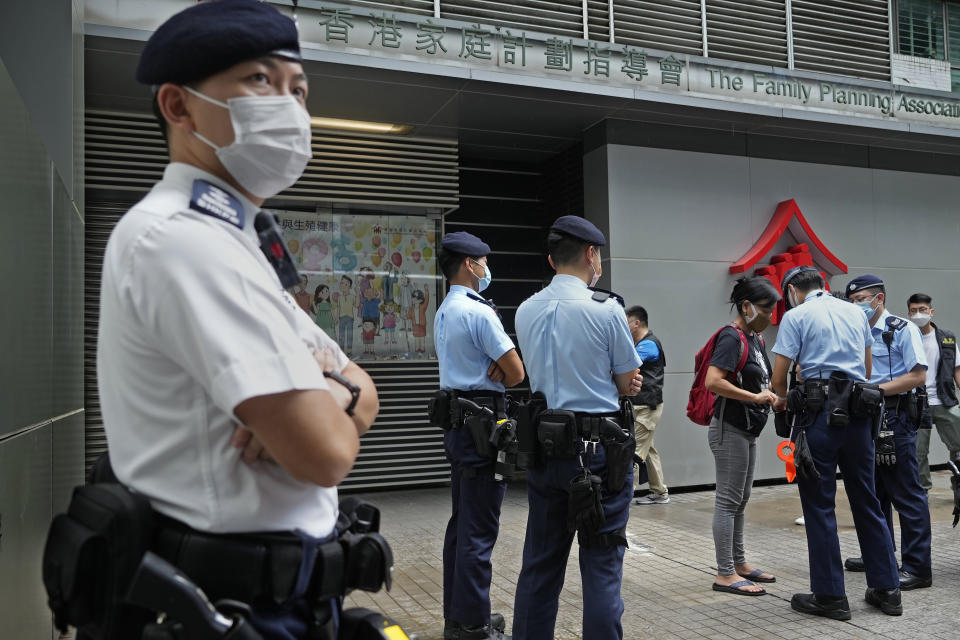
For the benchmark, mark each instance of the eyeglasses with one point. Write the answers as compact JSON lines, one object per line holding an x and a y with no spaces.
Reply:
{"x":864,"y":298}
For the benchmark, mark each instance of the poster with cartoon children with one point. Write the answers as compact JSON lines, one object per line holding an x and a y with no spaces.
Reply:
{"x":370,"y":282}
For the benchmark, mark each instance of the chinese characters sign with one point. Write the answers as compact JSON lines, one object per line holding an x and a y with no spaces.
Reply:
{"x":370,"y":282}
{"x":480,"y":46}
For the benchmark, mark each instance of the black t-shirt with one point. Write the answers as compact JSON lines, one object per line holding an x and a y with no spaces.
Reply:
{"x":755,"y":376}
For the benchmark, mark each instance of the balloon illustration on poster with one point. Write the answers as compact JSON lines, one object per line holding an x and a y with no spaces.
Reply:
{"x":372,"y":280}
{"x":314,"y":252}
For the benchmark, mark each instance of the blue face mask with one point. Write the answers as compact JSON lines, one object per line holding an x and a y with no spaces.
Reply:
{"x":487,"y":278}
{"x":867,"y":309}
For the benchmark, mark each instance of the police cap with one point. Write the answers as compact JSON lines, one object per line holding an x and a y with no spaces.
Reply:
{"x":862,"y":282}
{"x":212,"y":36}
{"x":579,"y":228}
{"x":789,"y":275}
{"x":465,"y":243}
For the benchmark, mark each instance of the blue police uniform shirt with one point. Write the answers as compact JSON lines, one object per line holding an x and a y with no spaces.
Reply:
{"x":906,"y":348}
{"x":825,"y":334}
{"x":572,"y":345}
{"x":468,"y":337}
{"x":648,"y":351}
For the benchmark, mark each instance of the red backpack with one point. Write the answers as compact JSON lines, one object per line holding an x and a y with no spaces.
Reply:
{"x":700,"y":406}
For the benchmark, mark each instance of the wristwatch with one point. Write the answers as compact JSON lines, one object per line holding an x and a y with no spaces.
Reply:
{"x":352,"y":388}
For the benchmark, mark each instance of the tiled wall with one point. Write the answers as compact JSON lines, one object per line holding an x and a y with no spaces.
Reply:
{"x":41,"y":322}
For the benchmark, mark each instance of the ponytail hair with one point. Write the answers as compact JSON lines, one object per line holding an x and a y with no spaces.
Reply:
{"x":755,"y":289}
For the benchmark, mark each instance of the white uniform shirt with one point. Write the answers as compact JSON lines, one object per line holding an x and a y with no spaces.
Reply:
{"x":193,"y":321}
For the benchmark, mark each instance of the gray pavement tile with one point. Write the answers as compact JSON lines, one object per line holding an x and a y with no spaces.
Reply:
{"x":668,"y":570}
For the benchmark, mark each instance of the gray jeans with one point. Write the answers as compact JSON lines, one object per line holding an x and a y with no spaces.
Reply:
{"x":947,"y":423}
{"x":735,"y":455}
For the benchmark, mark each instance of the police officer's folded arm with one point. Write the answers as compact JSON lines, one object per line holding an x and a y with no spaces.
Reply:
{"x":368,"y":403}
{"x":512,"y":368}
{"x":228,"y":323}
{"x":305,"y":432}
{"x":625,"y":382}
{"x":908,"y":381}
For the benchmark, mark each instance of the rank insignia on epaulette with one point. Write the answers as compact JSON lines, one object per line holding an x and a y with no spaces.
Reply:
{"x":213,"y":201}
{"x":602,"y":295}
{"x":896,"y":323}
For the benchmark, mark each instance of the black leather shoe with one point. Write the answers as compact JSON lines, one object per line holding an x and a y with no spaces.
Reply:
{"x":887,"y":600}
{"x":485,"y":632}
{"x":909,"y":581}
{"x":854,"y":564}
{"x":451,"y":628}
{"x":833,"y":607}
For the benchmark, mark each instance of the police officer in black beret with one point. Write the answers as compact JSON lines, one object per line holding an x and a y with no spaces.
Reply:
{"x":198,"y":333}
{"x":580,"y":355}
{"x":899,"y":367}
{"x":477,"y":360}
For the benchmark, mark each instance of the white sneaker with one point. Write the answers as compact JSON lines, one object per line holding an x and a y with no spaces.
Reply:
{"x":800,"y":521}
{"x":653,"y":498}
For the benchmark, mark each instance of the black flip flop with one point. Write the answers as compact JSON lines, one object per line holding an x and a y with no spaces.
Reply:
{"x":755,"y":576}
{"x":734,"y":588}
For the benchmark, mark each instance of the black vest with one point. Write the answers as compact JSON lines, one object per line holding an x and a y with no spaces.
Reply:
{"x":651,"y":393}
{"x":946,"y":389}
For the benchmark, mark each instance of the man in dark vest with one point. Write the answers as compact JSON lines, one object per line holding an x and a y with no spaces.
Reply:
{"x":943,"y":376}
{"x":648,"y":404}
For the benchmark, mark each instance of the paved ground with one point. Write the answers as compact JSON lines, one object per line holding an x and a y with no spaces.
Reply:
{"x":668,"y":570}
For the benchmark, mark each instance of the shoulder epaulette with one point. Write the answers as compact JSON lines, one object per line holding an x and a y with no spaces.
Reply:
{"x":213,"y":201}
{"x":474,"y":296}
{"x":895,"y":323}
{"x":602,"y":295}
{"x":482,"y":300}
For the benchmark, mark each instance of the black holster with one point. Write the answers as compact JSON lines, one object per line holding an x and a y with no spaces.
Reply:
{"x":912,"y":407}
{"x":795,"y":414}
{"x":839,"y":388}
{"x":481,"y":428}
{"x":527,"y":415}
{"x":557,"y":434}
{"x":814,"y":397}
{"x":619,"y":445}
{"x":504,"y":441}
{"x":866,"y":401}
{"x":924,"y":415}
{"x":91,"y":554}
{"x":439,"y":410}
{"x":584,"y":506}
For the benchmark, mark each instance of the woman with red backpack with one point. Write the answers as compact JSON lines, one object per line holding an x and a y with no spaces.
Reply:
{"x":739,"y":375}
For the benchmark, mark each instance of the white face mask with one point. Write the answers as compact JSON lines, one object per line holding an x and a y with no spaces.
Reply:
{"x":271,"y":144}
{"x":920,"y":319}
{"x":596,"y":272}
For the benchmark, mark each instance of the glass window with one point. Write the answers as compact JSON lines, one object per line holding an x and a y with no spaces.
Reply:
{"x":953,"y":40}
{"x":371,"y":282}
{"x":920,"y":28}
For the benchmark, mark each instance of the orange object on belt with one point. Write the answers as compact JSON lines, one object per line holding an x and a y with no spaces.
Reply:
{"x":785,"y":452}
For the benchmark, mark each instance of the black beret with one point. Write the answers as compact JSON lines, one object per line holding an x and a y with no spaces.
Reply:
{"x":212,"y":36}
{"x":863,"y":282}
{"x":465,"y":243}
{"x":579,"y":228}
